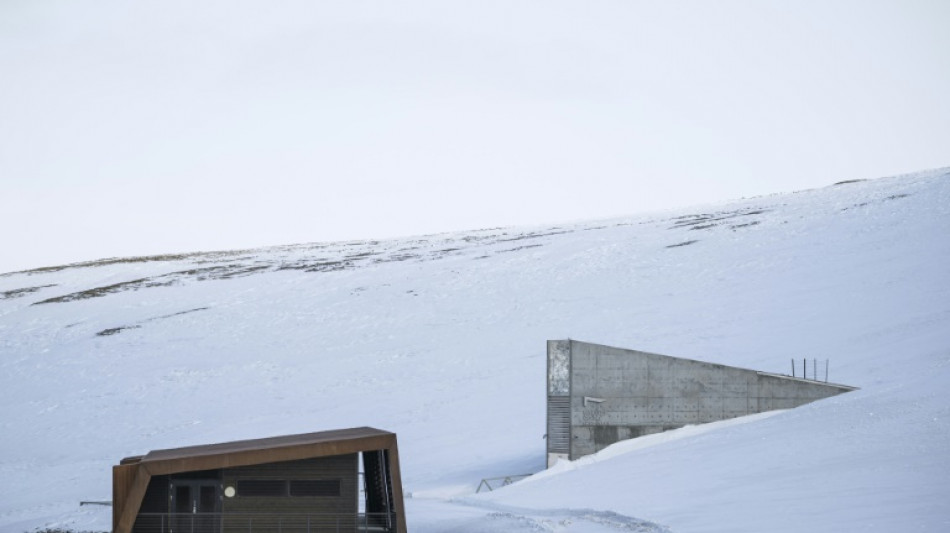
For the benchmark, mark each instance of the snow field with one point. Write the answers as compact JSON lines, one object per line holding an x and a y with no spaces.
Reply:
{"x":441,"y":340}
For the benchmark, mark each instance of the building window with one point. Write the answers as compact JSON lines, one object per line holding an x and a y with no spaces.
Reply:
{"x":294,"y":487}
{"x":262,"y":487}
{"x":315,"y":487}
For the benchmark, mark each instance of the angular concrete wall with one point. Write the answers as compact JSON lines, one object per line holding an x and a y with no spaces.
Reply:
{"x":598,"y":395}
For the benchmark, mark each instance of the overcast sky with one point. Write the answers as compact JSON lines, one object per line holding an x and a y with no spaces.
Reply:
{"x":131,"y":128}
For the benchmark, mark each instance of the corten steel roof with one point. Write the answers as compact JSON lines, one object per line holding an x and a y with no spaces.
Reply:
{"x":257,"y":451}
{"x":132,"y":475}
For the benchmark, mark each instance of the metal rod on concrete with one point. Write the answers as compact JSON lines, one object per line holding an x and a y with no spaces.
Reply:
{"x":793,"y":367}
{"x":814,"y":369}
{"x":826,"y":371}
{"x":805,"y":367}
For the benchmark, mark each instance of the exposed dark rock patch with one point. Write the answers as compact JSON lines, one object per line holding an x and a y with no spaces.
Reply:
{"x":747,"y":224}
{"x":709,"y":220}
{"x":881,"y":200}
{"x":206,"y":256}
{"x":17,"y":293}
{"x":534,"y":235}
{"x":113,"y":331}
{"x":98,"y":292}
{"x":519,"y":248}
{"x":396,"y":258}
{"x":163,"y":280}
{"x":318,"y":266}
{"x":684,"y":243}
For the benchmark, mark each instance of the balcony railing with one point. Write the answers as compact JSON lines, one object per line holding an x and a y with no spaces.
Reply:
{"x":264,"y":523}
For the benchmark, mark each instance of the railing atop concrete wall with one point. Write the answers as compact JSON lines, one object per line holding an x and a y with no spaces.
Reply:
{"x":264,"y":523}
{"x":814,"y":369}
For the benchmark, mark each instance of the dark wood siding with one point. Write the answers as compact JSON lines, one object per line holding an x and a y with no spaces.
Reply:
{"x":291,"y":514}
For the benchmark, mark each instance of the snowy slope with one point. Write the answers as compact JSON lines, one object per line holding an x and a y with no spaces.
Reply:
{"x":441,"y":339}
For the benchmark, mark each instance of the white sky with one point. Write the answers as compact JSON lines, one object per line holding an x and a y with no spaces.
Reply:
{"x":145,"y":127}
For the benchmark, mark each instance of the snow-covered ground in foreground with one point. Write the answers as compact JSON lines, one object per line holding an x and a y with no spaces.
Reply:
{"x":441,"y":339}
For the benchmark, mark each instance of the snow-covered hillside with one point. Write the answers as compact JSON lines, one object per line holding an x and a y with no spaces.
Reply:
{"x":441,"y":339}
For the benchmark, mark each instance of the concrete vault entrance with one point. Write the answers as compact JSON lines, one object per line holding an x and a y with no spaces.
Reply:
{"x":599,"y":395}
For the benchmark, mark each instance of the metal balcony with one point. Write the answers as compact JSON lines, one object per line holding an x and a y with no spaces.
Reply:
{"x":265,"y":523}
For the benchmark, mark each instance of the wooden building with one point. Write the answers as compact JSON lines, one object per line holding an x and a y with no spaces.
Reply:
{"x":308,"y":483}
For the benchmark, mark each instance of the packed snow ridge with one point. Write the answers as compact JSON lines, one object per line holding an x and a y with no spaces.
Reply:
{"x":441,"y":339}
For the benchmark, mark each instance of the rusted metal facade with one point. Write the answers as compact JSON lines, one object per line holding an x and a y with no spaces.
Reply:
{"x":306,"y":483}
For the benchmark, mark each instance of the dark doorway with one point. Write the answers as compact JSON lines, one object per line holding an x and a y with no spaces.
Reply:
{"x":196,"y":506}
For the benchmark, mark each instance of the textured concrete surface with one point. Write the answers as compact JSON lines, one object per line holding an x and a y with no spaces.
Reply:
{"x":598,"y":395}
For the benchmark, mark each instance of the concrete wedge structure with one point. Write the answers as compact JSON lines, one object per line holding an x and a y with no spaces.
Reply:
{"x":598,"y":395}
